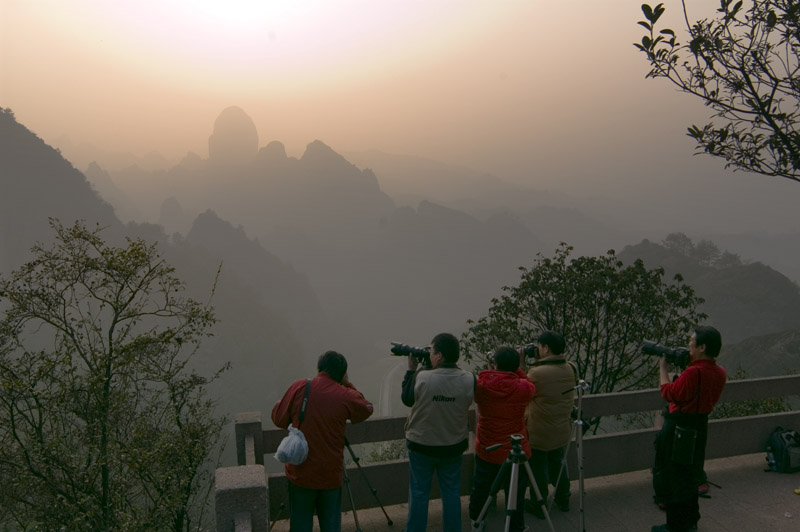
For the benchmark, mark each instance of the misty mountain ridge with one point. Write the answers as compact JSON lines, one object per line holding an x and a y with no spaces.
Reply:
{"x":83,"y":154}
{"x":107,"y":189}
{"x":765,"y":355}
{"x":38,"y":183}
{"x":322,"y":205}
{"x":260,"y":316}
{"x":592,"y":222}
{"x":271,"y":190}
{"x":369,"y":276}
{"x":280,"y":286}
{"x":401,"y":273}
{"x":742,"y":300}
{"x":331,"y":220}
{"x":554,"y":216}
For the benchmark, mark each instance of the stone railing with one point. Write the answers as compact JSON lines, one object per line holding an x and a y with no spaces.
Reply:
{"x":247,"y":499}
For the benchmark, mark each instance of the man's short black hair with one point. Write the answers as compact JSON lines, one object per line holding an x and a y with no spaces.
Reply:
{"x":506,"y":358}
{"x":447,"y":345}
{"x":709,"y":337}
{"x":334,"y":364}
{"x":553,"y":340}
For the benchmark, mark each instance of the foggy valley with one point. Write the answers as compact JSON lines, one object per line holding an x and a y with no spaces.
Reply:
{"x":316,"y":255}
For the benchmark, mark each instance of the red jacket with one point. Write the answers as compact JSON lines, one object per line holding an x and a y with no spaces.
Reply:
{"x":697,"y":388}
{"x":501,"y":397}
{"x":330,"y":405}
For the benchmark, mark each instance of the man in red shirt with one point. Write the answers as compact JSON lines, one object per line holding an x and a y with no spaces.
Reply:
{"x":692,"y":396}
{"x":316,"y":484}
{"x":503,"y":392}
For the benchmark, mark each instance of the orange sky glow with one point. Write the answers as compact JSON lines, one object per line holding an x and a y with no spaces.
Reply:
{"x":515,"y":87}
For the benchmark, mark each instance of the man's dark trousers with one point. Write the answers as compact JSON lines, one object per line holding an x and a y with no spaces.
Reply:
{"x":303,"y":503}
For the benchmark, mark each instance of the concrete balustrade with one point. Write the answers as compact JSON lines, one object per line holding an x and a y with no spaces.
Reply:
{"x":603,"y":454}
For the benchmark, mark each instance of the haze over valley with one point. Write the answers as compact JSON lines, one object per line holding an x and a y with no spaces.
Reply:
{"x":358,"y":182}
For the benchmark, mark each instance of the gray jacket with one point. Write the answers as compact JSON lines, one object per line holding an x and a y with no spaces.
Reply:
{"x":440,"y":399}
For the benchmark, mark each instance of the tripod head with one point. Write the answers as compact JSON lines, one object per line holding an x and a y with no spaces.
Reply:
{"x":582,"y":387}
{"x":516,"y":454}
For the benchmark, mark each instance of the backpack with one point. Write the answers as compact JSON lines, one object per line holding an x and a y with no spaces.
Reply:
{"x":783,"y":450}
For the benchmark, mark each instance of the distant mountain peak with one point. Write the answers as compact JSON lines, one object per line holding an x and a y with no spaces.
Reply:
{"x":275,"y":150}
{"x":320,"y":160}
{"x":317,"y":152}
{"x":235,"y":138}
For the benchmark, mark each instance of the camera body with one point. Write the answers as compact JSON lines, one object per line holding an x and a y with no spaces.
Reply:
{"x":422,"y":354}
{"x":530,"y":350}
{"x":678,"y":356}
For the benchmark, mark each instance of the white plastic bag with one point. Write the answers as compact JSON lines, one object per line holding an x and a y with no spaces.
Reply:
{"x":293,"y":449}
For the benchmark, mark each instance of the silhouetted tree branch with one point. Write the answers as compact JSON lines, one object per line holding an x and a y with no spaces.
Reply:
{"x":744,"y":64}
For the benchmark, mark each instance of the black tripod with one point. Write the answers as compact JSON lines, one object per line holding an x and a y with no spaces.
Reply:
{"x":515,"y":458}
{"x":356,"y":460}
{"x":578,"y":428}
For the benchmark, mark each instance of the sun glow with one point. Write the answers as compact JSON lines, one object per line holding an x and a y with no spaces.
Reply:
{"x":277,"y":44}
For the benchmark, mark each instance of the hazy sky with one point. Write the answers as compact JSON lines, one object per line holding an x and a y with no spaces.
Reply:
{"x":537,"y":91}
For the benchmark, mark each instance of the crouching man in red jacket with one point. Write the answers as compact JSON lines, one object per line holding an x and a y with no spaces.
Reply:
{"x":502,"y":393}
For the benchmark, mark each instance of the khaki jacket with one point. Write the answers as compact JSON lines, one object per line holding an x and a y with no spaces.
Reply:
{"x":548,"y":415}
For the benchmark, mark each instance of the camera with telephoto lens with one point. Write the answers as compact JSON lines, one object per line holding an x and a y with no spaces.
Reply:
{"x":530,"y":350}
{"x":423,"y":354}
{"x":678,"y":356}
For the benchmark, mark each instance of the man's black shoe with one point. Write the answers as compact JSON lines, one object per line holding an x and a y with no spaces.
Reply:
{"x":563,"y":506}
{"x":532,"y":508}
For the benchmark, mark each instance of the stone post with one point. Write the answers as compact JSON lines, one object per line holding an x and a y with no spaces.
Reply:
{"x":241,"y":497}
{"x":249,"y":438}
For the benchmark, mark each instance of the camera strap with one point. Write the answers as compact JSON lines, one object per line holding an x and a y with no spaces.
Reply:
{"x":303,"y":405}
{"x":699,"y":379}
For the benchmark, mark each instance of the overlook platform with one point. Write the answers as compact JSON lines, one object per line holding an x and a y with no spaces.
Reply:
{"x":615,"y":464}
{"x":750,"y":500}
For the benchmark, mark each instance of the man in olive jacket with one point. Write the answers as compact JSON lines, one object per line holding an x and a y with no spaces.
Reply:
{"x":548,"y":419}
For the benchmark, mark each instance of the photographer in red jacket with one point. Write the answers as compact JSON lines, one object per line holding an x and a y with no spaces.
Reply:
{"x":692,"y":396}
{"x":502,"y":394}
{"x":316,"y":484}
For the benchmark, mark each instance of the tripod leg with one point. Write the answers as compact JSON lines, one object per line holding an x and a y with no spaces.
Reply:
{"x":511,"y":503}
{"x":369,"y":485}
{"x":350,"y":494}
{"x":580,"y":478}
{"x":539,"y":500}
{"x":577,"y":425}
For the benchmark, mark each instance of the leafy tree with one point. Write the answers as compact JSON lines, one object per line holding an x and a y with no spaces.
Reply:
{"x":103,"y":426}
{"x":706,"y":253}
{"x":679,"y":242}
{"x":728,"y":260}
{"x":743,"y":64}
{"x":604,"y":310}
